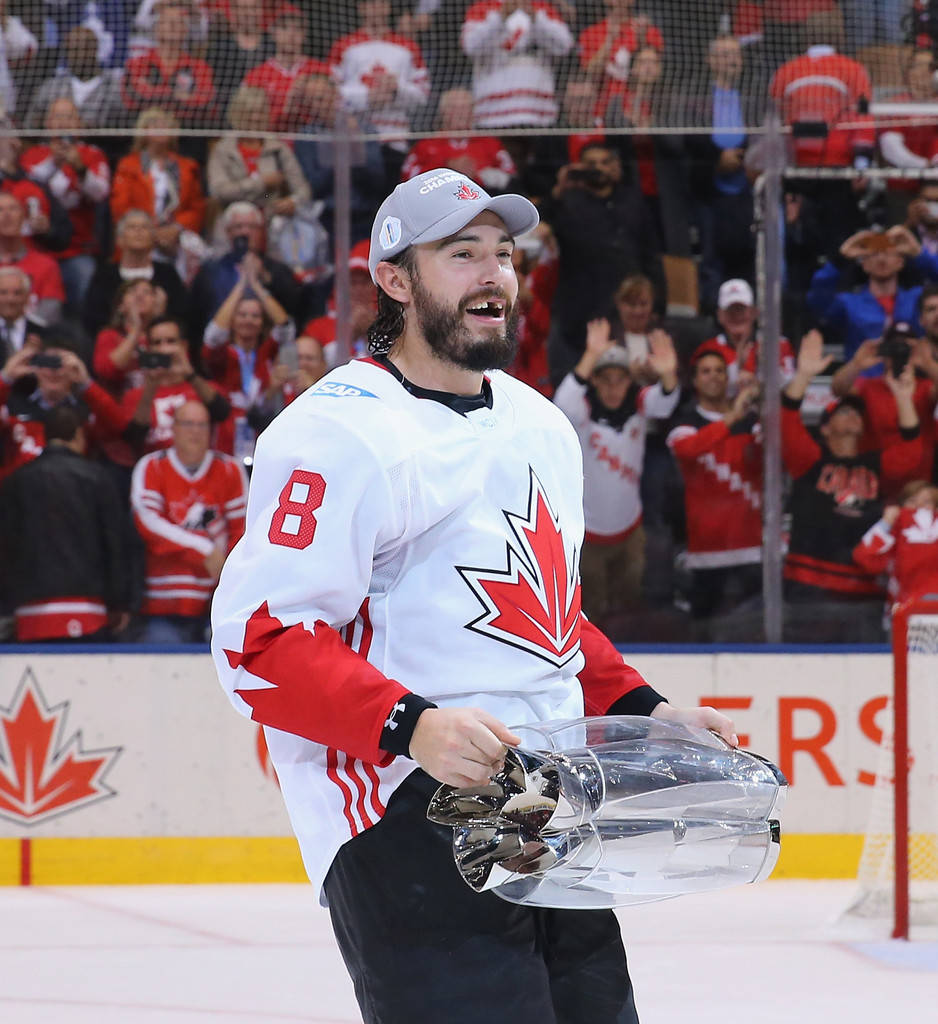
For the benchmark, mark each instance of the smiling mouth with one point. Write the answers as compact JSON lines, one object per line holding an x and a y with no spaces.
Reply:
{"x":492,"y":310}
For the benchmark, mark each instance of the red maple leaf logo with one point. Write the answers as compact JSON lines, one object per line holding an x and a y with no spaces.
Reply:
{"x":41,"y":774}
{"x":534,"y":603}
{"x":466,"y":192}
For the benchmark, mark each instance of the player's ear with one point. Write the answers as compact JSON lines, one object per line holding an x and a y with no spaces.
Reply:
{"x":394,"y":281}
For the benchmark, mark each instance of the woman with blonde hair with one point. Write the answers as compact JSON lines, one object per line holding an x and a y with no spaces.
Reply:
{"x":252,"y":165}
{"x":158,"y":179}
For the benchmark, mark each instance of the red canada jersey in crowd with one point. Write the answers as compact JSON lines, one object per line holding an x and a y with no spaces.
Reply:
{"x":187,"y":90}
{"x":881,"y":423}
{"x":358,"y":60}
{"x":166,"y":401}
{"x":721,"y":345}
{"x":491,"y":164}
{"x":722,"y":474}
{"x":630,"y":37}
{"x":530,"y":364}
{"x":908,"y":550}
{"x":824,"y":86}
{"x":277,"y":80}
{"x":182,"y":517}
{"x":80,"y":194}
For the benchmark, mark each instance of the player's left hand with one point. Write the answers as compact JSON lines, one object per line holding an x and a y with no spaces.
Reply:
{"x":700,"y":718}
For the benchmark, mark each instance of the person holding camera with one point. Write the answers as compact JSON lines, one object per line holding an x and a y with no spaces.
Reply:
{"x":169,"y":380}
{"x":53,"y":376}
{"x":899,"y":346}
{"x":604,"y":233}
{"x":863,"y":314}
{"x":836,"y":496}
{"x":115,"y":364}
{"x":717,"y":445}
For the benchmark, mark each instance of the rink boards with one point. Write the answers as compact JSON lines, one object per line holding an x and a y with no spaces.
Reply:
{"x":133,"y":767}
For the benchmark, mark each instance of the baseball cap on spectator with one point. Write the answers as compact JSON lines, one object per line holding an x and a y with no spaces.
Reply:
{"x":708,"y":348}
{"x":435,"y":205}
{"x":734,"y":291}
{"x":358,"y":256}
{"x":614,"y":356}
{"x":847,"y":402}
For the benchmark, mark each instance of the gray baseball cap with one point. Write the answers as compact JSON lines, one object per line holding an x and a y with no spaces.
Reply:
{"x":616,"y":355}
{"x":436,"y":204}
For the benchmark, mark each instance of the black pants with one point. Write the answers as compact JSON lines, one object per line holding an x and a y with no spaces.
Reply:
{"x":423,"y":948}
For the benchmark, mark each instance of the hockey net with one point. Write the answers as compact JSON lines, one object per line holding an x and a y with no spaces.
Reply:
{"x":898,"y":873}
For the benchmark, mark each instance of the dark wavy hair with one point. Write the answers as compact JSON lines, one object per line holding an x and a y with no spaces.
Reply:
{"x":388,"y":325}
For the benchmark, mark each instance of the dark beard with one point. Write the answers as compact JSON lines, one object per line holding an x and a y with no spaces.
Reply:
{"x":452,"y":342}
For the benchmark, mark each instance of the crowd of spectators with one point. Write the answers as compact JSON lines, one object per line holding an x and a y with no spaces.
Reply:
{"x":167,"y":283}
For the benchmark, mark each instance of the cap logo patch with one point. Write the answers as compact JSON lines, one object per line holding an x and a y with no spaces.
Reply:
{"x":390,"y":233}
{"x":466,"y":192}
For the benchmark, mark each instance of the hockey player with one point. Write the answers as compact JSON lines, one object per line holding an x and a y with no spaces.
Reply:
{"x":609,"y":411}
{"x":407,"y":585}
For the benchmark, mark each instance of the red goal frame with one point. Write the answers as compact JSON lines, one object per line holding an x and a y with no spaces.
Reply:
{"x":900,"y":709}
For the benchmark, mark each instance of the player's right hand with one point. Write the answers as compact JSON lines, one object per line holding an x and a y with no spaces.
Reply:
{"x":460,"y":746}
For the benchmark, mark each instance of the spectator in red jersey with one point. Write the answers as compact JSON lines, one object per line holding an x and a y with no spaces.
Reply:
{"x":513,"y":46}
{"x":716,"y":445}
{"x":237,"y":44}
{"x":482,"y":158}
{"x":166,"y":75}
{"x":283,"y":76}
{"x":824,"y":87}
{"x":288,"y":381}
{"x":240,"y":345}
{"x":737,"y":343}
{"x":363,"y":300}
{"x":914,"y":144}
{"x":158,"y":179}
{"x":535,"y":261}
{"x":61,"y":378}
{"x":898,"y":346}
{"x":609,"y":412}
{"x":381,"y":73}
{"x":606,"y":48}
{"x":836,"y":496}
{"x":137,"y":304}
{"x":64,"y":542}
{"x":135,"y":239}
{"x":46,"y":223}
{"x":904,"y":543}
{"x":78,"y":175}
{"x":252,"y":167}
{"x":94,"y":90}
{"x":47,"y":292}
{"x":168,"y":381}
{"x":189,"y":506}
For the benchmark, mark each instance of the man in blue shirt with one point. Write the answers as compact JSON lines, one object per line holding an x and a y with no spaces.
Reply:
{"x":866,"y":313}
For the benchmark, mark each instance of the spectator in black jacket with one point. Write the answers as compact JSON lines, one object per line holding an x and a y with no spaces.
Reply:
{"x":604,"y":233}
{"x":243,"y":223}
{"x":64,"y":542}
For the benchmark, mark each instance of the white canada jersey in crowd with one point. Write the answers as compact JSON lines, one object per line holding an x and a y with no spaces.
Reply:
{"x":444,"y":548}
{"x":612,"y":458}
{"x":358,"y":60}
{"x":512,"y":62}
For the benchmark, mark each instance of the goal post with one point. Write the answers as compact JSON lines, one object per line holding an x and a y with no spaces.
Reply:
{"x":898,"y":871}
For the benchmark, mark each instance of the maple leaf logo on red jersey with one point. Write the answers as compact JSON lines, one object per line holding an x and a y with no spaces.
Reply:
{"x":533,"y":603}
{"x":466,"y":192}
{"x":42,"y":774}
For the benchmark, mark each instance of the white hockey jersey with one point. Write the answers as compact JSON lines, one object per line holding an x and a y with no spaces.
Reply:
{"x":394,"y":545}
{"x":613,"y":456}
